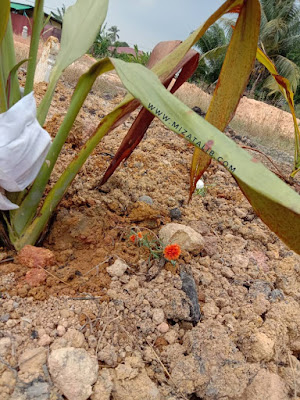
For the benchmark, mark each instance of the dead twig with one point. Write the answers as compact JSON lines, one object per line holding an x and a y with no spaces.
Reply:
{"x":103,"y":331}
{"x":98,"y":265}
{"x":6,"y":260}
{"x":294,"y":375}
{"x":54,"y":276}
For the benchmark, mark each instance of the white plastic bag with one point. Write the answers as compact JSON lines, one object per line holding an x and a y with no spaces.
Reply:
{"x":24,"y":145}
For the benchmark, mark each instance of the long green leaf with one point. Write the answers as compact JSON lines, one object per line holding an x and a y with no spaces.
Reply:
{"x":21,"y":217}
{"x":7,"y":54}
{"x":38,"y":16}
{"x":274,"y":201}
{"x":81,"y":24}
{"x":4,"y":15}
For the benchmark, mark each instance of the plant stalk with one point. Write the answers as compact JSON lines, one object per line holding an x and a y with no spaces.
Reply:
{"x":38,"y":17}
{"x":23,"y":216}
{"x":55,"y":195}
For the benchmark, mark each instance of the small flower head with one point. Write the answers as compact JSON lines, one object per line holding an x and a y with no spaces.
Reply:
{"x":199,"y":184}
{"x":140,"y":235}
{"x":132,"y":238}
{"x":172,"y":252}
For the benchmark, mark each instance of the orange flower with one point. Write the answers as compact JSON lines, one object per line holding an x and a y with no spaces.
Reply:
{"x":132,"y":238}
{"x":172,"y":252}
{"x":140,"y":235}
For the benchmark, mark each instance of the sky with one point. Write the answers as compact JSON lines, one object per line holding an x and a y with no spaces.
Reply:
{"x":147,"y":22}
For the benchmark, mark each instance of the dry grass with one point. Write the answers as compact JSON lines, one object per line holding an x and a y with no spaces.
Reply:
{"x":267,"y":125}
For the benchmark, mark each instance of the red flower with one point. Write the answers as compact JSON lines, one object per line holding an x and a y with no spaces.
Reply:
{"x":132,"y":238}
{"x":172,"y":252}
{"x":140,"y":235}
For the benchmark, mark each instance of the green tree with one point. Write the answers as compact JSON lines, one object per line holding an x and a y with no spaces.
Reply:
{"x":279,"y":39}
{"x":212,"y":47}
{"x":113,"y":33}
{"x":60,"y":14}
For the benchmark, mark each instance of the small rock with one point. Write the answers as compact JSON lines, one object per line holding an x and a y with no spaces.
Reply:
{"x":210,"y":310}
{"x":8,"y":380}
{"x":260,"y":287}
{"x":73,"y":371}
{"x":146,"y":199}
{"x":61,"y":330}
{"x":186,"y":237}
{"x":227,"y":272}
{"x":32,"y":360}
{"x":158,"y":316}
{"x":190,"y":289}
{"x":171,"y":336}
{"x":103,"y":387}
{"x":38,"y":391}
{"x":266,"y":385}
{"x":241,"y":213}
{"x":5,"y":346}
{"x":108,"y":355}
{"x":92,"y":341}
{"x":35,"y":277}
{"x":4,"y":317}
{"x":45,"y":340}
{"x":163,"y":327}
{"x":239,"y":261}
{"x":275,"y":295}
{"x":117,"y":269}
{"x":8,"y":306}
{"x":34,"y":257}
{"x":132,"y":382}
{"x":262,"y":347}
{"x":74,"y":338}
{"x":211,"y":245}
{"x":175,"y":214}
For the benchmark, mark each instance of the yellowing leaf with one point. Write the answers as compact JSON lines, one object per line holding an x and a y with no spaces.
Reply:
{"x":285,"y":88}
{"x":233,"y":79}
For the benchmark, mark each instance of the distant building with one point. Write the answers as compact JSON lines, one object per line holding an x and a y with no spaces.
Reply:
{"x":21,"y":15}
{"x":122,"y":50}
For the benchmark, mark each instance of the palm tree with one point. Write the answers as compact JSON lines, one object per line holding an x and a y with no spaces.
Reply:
{"x":59,"y":16}
{"x":113,"y":33}
{"x":212,"y":46}
{"x":279,"y":38}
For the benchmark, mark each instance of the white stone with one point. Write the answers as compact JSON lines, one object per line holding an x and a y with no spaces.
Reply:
{"x":117,"y":269}
{"x":163,"y":327}
{"x":74,"y":372}
{"x":25,"y":32}
{"x":186,"y":237}
{"x":61,"y":330}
